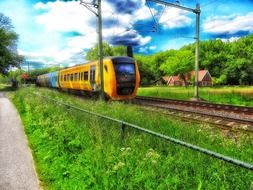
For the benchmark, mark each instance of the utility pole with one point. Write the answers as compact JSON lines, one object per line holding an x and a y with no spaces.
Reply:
{"x":196,"y":11}
{"x":98,"y":13}
{"x":196,"y":92}
{"x":100,"y":50}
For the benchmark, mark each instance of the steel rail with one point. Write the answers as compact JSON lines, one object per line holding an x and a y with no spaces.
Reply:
{"x":220,"y":125}
{"x":223,"y":107}
{"x":159,"y":135}
{"x":227,"y":118}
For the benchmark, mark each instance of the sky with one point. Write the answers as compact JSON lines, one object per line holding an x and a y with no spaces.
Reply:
{"x":59,"y":33}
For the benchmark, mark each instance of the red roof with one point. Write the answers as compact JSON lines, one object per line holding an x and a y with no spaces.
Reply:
{"x":201,"y":74}
{"x":24,"y":76}
{"x":166,"y":78}
{"x":176,"y":78}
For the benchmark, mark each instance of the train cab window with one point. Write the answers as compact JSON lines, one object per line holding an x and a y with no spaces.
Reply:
{"x":85,"y":75}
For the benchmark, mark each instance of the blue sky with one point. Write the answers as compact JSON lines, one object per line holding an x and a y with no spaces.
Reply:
{"x":61,"y":32}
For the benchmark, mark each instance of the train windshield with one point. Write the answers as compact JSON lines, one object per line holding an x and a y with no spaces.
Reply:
{"x":124,"y":68}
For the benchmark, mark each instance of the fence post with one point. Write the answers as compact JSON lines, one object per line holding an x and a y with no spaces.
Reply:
{"x":123,"y":128}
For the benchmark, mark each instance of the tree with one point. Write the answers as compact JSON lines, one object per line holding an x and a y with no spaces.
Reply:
{"x":146,"y":73}
{"x":8,"y":46}
{"x":119,"y":51}
{"x":92,"y":54}
{"x":179,"y":64}
{"x":108,"y":50}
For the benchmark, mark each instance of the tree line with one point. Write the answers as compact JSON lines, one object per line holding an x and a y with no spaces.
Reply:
{"x":9,"y":57}
{"x":229,"y":63}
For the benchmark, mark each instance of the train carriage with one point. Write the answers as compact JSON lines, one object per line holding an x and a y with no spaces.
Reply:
{"x":121,"y":78}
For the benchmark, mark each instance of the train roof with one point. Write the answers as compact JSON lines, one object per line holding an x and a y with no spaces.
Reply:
{"x":124,"y":59}
{"x":114,"y":58}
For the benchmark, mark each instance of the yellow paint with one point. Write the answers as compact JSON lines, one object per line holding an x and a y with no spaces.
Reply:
{"x":109,"y":79}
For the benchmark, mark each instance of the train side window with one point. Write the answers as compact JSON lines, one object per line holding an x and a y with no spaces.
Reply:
{"x":71,"y":77}
{"x":85,"y":75}
{"x":81,"y":75}
{"x":92,"y":75}
{"x":75,"y":76}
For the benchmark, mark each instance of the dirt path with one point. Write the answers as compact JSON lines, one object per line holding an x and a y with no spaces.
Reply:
{"x":16,"y":164}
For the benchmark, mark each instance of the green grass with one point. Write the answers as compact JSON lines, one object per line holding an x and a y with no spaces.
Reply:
{"x":73,"y":150}
{"x":5,"y":87}
{"x":229,"y":95}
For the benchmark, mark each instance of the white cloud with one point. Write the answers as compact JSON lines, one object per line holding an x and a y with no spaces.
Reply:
{"x":174,"y":18}
{"x":152,"y":47}
{"x":231,"y":39}
{"x":65,"y":17}
{"x":229,"y":24}
{"x":146,"y":49}
{"x":51,"y":56}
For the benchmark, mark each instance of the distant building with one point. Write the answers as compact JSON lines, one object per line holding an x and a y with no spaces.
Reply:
{"x":204,"y":78}
{"x":162,"y":81}
{"x":175,"y":81}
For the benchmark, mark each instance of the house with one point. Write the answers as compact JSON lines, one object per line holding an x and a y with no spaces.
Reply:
{"x":175,"y":81}
{"x":204,"y":79}
{"x":162,"y":80}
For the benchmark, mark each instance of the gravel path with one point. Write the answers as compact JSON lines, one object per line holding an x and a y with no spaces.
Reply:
{"x":16,"y":163}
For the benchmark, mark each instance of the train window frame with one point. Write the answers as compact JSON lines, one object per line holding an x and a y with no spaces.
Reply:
{"x":86,"y":76}
{"x":106,"y":69}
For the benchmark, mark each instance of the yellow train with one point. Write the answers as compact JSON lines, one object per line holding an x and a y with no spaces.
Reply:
{"x":121,"y":78}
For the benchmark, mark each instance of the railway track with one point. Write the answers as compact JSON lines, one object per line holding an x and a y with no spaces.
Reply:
{"x":221,"y":115}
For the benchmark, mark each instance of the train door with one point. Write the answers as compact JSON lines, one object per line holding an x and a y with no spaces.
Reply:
{"x":93,"y":77}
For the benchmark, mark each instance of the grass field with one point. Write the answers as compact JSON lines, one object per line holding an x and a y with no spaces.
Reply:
{"x":230,"y":95}
{"x":73,"y":150}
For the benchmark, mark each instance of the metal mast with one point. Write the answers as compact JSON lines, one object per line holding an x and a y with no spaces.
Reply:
{"x":97,"y":12}
{"x":197,"y":12}
{"x":196,"y":92}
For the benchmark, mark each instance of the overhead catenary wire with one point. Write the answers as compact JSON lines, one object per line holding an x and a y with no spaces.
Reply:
{"x":204,"y":5}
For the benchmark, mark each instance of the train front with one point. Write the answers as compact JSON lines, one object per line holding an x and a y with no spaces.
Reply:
{"x":126,"y":78}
